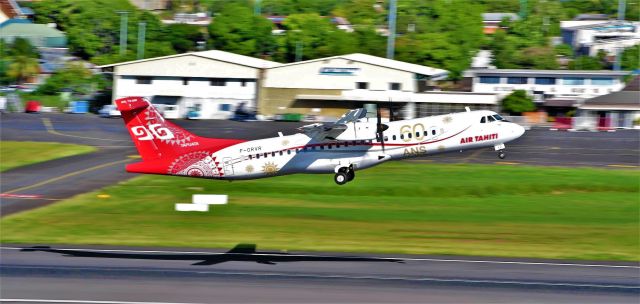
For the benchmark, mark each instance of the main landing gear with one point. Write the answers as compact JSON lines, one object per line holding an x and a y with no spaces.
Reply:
{"x":344,"y":175}
{"x":500,"y":149}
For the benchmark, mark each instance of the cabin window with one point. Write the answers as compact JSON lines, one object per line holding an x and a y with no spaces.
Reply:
{"x":394,"y":137}
{"x":281,"y":153}
{"x":329,"y":146}
{"x":433,"y":132}
{"x":258,"y":156}
{"x":491,"y":119}
{"x":483,"y":119}
{"x":185,"y":81}
{"x":321,"y":147}
{"x":409,"y":135}
{"x":250,"y":157}
{"x":362,"y":85}
{"x":394,"y":86}
{"x":273,"y":154}
{"x":401,"y":136}
{"x":265,"y":155}
{"x":386,"y":138}
{"x":288,"y":151}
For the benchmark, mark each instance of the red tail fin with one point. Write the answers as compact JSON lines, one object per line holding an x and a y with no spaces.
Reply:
{"x":159,"y":141}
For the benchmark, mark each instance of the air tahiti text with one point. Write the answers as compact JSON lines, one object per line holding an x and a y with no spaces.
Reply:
{"x":477,"y":138}
{"x":251,"y":149}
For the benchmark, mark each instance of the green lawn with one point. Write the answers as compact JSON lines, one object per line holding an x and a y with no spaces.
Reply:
{"x":399,"y":207}
{"x":19,"y":153}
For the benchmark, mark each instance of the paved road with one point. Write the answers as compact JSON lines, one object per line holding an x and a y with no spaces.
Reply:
{"x":154,"y":275}
{"x":41,"y":184}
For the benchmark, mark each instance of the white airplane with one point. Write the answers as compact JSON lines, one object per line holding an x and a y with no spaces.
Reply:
{"x":354,"y":142}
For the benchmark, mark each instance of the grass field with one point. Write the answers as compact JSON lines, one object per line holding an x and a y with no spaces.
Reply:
{"x":399,"y":207}
{"x":19,"y":153}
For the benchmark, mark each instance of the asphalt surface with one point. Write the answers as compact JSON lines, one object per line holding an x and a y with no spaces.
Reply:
{"x":156,"y":275}
{"x":93,"y":274}
{"x":41,"y":184}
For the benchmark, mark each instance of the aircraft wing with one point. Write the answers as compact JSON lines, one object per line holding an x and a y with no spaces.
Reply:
{"x":333,"y":130}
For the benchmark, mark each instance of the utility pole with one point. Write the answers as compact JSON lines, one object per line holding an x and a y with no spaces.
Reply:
{"x":621,"y":9}
{"x":523,"y":9}
{"x":257,"y":9}
{"x":142,"y":29}
{"x":391,"y":39}
{"x":298,"y":51}
{"x":123,"y":31}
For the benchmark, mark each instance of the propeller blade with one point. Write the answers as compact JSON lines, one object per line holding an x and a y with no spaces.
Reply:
{"x":380,"y":128}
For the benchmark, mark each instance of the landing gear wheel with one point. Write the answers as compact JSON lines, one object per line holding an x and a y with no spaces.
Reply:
{"x":501,"y":154}
{"x":340,"y":178}
{"x":351,"y":175}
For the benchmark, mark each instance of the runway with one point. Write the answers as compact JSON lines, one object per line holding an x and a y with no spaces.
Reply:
{"x":86,"y":274}
{"x":41,"y":184}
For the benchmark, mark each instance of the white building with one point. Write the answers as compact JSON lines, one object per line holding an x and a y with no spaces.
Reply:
{"x":210,"y":83}
{"x":588,"y":37}
{"x":329,"y":86}
{"x":544,"y":84}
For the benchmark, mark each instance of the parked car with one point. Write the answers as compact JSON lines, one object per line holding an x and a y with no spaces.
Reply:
{"x":109,"y":111}
{"x":32,"y":106}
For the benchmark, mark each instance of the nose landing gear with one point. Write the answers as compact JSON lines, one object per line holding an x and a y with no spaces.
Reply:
{"x":344,"y":175}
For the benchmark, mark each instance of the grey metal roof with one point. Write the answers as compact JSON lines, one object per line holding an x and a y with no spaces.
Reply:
{"x":616,"y":98}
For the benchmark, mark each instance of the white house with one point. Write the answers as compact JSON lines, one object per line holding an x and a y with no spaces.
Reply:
{"x":588,"y":37}
{"x":209,"y":84}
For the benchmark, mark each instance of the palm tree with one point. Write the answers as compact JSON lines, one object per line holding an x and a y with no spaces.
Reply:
{"x":22,"y":68}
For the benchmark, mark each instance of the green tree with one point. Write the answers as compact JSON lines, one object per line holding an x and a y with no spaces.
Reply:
{"x":74,"y":76}
{"x":518,"y":102}
{"x":22,"y":68}
{"x":22,"y":47}
{"x":93,"y":26}
{"x":537,"y":57}
{"x":235,"y":29}
{"x":317,"y":37}
{"x":630,"y":58}
{"x":184,"y":37}
{"x":586,"y":63}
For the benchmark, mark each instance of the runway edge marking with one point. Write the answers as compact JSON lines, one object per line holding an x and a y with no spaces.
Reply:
{"x":382,"y":258}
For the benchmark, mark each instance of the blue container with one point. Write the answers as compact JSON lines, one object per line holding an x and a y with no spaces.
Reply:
{"x":80,"y":107}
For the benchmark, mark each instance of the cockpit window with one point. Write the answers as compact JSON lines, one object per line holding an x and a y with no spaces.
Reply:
{"x":483,"y":119}
{"x":491,"y":119}
{"x":498,"y":117}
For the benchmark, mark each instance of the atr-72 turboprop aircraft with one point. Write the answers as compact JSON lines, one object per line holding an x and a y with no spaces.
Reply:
{"x":354,"y":142}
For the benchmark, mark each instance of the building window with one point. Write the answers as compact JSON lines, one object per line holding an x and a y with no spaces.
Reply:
{"x":394,"y":86}
{"x":362,"y":85}
{"x":517,"y":80}
{"x":218,"y":82}
{"x":573,"y":81}
{"x":185,"y":81}
{"x":489,"y":79}
{"x":143,"y":80}
{"x":602,"y":81}
{"x":545,"y":80}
